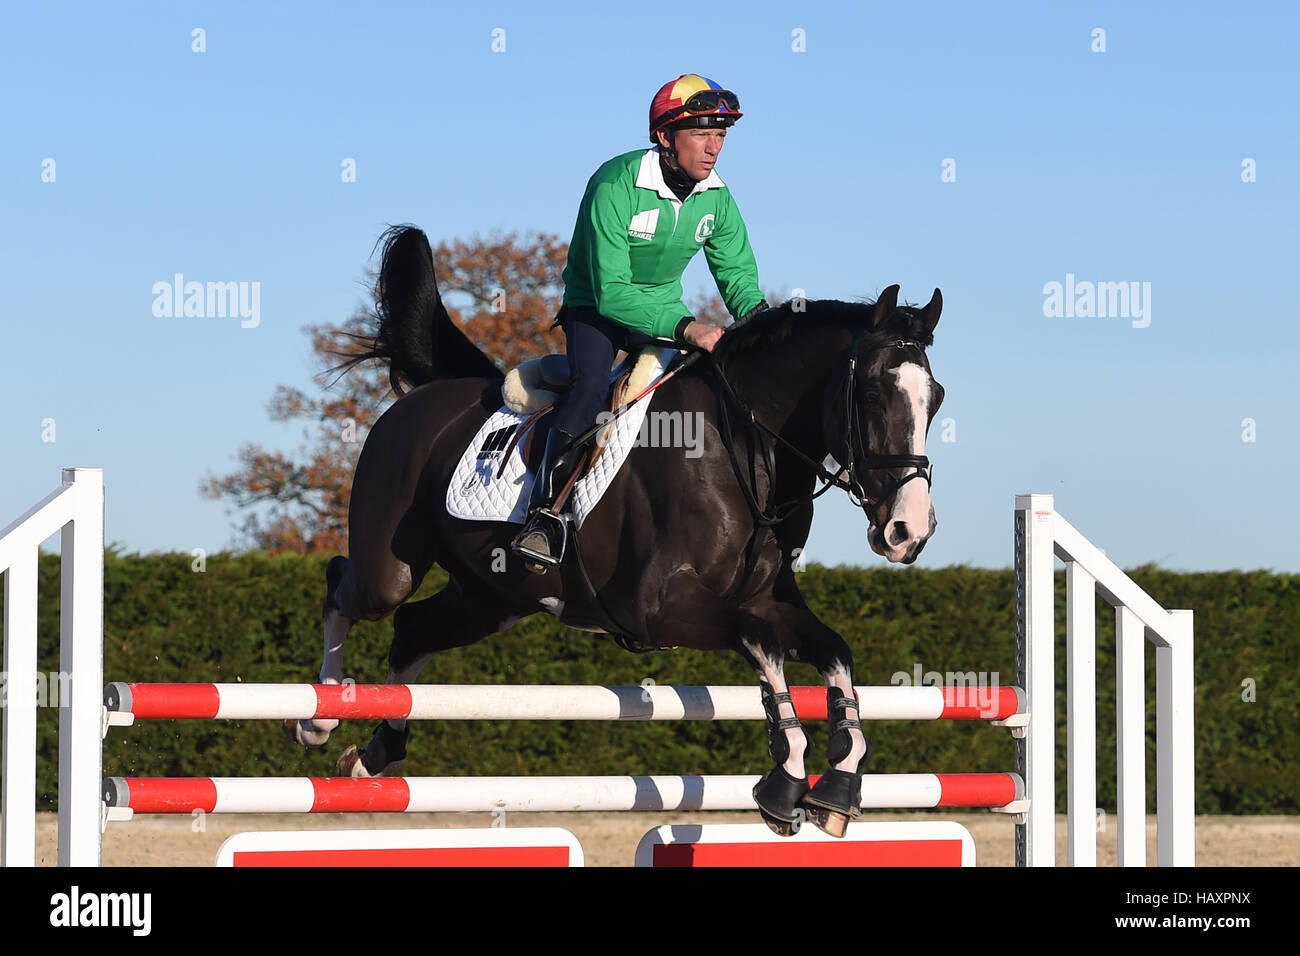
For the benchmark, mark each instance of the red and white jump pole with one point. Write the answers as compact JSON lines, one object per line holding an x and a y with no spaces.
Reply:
{"x":525,"y":794}
{"x":126,"y":702}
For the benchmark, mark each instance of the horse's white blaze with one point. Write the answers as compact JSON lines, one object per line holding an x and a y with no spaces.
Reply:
{"x":912,"y":503}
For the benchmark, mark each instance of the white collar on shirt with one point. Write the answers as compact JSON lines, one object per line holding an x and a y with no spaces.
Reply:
{"x":650,"y":176}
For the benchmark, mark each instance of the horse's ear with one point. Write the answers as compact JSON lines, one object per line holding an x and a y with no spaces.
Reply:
{"x":930,"y":314}
{"x":884,"y":307}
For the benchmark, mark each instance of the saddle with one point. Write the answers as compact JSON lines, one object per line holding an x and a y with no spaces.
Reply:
{"x":533,"y":387}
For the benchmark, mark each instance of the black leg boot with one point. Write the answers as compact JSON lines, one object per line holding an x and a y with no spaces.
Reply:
{"x":541,"y":543}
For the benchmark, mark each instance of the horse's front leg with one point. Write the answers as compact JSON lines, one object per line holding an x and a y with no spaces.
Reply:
{"x":782,"y":789}
{"x":837,"y":797}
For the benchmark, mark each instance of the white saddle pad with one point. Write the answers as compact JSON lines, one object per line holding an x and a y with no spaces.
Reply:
{"x":476,"y":493}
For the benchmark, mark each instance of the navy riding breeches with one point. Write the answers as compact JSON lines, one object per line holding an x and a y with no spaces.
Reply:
{"x":592,"y":342}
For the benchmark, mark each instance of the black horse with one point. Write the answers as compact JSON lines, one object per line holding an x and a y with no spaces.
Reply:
{"x":682,"y":551}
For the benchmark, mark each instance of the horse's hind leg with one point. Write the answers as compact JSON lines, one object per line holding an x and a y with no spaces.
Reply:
{"x":314,"y":732}
{"x":367,"y":586}
{"x":450,"y":618}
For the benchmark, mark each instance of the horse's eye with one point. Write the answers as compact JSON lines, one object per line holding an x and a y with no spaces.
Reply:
{"x":873,"y":399}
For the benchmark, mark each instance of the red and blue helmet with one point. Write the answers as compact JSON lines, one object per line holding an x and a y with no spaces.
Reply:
{"x":692,"y":100}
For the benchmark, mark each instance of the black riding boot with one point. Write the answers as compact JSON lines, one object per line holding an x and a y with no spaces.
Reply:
{"x":541,"y":543}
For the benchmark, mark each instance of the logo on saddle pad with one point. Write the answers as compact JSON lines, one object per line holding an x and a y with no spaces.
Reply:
{"x":493,"y":447}
{"x":496,"y":443}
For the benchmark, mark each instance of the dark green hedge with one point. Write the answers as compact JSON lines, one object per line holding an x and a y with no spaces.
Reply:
{"x":255,"y":618}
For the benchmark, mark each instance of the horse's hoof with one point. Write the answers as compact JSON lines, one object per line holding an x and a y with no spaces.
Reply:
{"x":783,"y":828}
{"x":350,"y":765}
{"x":778,"y":795}
{"x":835,"y":800}
{"x":832,"y":822}
{"x":307,"y":733}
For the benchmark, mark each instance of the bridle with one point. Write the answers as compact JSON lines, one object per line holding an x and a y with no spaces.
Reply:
{"x":857,"y":493}
{"x":867,"y":461}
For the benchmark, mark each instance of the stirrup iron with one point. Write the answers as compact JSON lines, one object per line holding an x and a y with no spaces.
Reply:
{"x":546,"y":560}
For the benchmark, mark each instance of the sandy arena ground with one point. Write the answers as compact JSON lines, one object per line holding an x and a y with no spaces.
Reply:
{"x":610,"y":839}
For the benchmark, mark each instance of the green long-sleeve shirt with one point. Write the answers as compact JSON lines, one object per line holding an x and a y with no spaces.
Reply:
{"x":633,"y":240}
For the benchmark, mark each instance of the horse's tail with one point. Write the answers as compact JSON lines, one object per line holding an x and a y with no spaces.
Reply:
{"x":414,"y":334}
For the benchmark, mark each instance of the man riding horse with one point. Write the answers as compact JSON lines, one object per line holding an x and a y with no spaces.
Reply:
{"x":644,"y":216}
{"x":778,"y":395}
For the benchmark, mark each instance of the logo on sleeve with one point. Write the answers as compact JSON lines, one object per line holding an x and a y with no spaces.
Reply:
{"x":643,"y":224}
{"x":704,"y":229}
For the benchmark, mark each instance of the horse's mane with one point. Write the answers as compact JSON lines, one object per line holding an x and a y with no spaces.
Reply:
{"x":771,"y":329}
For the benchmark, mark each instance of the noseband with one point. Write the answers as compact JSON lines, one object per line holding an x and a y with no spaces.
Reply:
{"x":871,"y":462}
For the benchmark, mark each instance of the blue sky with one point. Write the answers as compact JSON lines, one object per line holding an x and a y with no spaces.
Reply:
{"x":1117,"y":166}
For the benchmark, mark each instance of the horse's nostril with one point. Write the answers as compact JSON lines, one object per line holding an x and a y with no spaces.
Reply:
{"x":898,"y":533}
